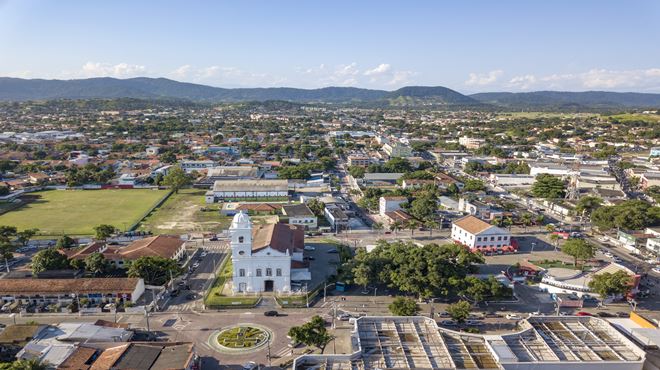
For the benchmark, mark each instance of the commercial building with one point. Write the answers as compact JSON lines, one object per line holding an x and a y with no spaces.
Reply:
{"x":397,"y":150}
{"x":336,"y":217}
{"x":569,"y":281}
{"x":380,"y":179}
{"x":545,"y":343}
{"x":190,"y":166}
{"x":65,"y":291}
{"x":471,"y":142}
{"x":300,"y":214}
{"x":390,"y":203}
{"x":480,"y":235}
{"x":247,"y":189}
{"x":358,"y":160}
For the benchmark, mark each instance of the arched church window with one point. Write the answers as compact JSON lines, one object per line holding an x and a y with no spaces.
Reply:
{"x":269,"y":272}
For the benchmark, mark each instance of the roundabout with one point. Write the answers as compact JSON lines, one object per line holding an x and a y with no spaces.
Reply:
{"x":240,"y":338}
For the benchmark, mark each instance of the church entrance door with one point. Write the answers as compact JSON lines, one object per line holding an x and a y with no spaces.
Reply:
{"x":268,"y":285}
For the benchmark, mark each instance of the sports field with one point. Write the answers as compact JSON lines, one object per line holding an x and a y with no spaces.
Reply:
{"x":76,"y":212}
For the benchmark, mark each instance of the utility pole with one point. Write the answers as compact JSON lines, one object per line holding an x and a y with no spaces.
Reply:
{"x":146,"y":314}
{"x":306,"y":296}
{"x":268,"y":355}
{"x":7,"y":264}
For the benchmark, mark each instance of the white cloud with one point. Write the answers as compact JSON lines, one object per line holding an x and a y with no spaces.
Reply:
{"x":522,"y":82}
{"x":483,"y":79}
{"x":121,"y":70}
{"x":382,"y":68}
{"x":594,"y":79}
{"x":181,"y":72}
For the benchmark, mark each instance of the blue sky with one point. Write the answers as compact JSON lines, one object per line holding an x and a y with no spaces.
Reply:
{"x":466,"y":45}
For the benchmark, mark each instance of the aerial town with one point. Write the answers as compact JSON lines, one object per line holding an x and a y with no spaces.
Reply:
{"x":304,"y":236}
{"x":329,"y":185}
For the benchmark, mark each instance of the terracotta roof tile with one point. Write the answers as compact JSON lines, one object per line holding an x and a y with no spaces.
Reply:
{"x":79,"y":359}
{"x":472,"y":224}
{"x":83,"y":286}
{"x":280,"y":237}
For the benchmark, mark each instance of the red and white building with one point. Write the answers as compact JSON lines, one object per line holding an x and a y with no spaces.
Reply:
{"x":481,"y":236}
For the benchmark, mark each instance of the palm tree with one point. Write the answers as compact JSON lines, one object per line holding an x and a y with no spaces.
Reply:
{"x":396,"y":226}
{"x":539,"y":221}
{"x":507,"y":222}
{"x":377,"y":226}
{"x":412,"y":225}
{"x":555,"y":239}
{"x":526,"y":220}
{"x":431,"y":224}
{"x":550,"y":228}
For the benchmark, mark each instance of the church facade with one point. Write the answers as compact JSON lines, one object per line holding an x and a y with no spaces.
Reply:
{"x":266,"y":258}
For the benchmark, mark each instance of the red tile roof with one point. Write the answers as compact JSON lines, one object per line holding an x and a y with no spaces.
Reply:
{"x":281,"y":237}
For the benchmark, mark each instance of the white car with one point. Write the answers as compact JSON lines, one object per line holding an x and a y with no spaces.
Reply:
{"x":512,"y":316}
{"x":204,"y":254}
{"x":195,"y":265}
{"x":656,"y":270}
{"x":250,"y":365}
{"x":309,"y":248}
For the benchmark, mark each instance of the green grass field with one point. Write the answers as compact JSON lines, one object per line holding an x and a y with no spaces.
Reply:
{"x":183,"y":213}
{"x":76,"y":212}
{"x":217,"y":297}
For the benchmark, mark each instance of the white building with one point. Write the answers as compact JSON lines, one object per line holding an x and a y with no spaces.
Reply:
{"x":471,"y":142}
{"x":397,"y":150}
{"x":389,"y":204}
{"x":476,"y":234}
{"x":190,"y":166}
{"x":247,"y":189}
{"x":267,"y":258}
{"x":300,"y":214}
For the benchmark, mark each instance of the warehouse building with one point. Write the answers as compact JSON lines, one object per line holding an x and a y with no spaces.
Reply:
{"x":547,"y":342}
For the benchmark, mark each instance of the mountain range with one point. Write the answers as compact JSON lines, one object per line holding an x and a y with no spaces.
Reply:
{"x":16,"y":89}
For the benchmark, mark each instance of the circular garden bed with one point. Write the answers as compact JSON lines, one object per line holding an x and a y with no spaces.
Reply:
{"x":242,"y":337}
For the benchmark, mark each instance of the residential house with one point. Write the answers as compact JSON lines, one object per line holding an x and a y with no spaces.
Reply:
{"x":480,"y":235}
{"x":300,"y":214}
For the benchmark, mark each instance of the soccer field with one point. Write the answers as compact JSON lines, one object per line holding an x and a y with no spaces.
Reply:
{"x":76,"y":212}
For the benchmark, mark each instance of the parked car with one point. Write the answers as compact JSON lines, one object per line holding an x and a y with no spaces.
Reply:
{"x":448,"y":322}
{"x":204,"y":254}
{"x":333,"y":250}
{"x":309,"y":248}
{"x":344,"y":317}
{"x":512,"y":316}
{"x":270,"y":313}
{"x":250,"y":365}
{"x":605,"y":314}
{"x":583,"y":313}
{"x":195,"y":265}
{"x":473,"y":323}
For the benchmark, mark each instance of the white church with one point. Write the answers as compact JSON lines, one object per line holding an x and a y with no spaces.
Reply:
{"x":266,"y":258}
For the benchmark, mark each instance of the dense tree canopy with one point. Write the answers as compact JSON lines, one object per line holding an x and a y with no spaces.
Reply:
{"x":610,"y":284}
{"x":630,"y":215}
{"x":431,"y":270}
{"x":403,"y":306}
{"x":312,"y":333}
{"x":579,"y":249}
{"x":548,"y":187}
{"x":154,"y":270}
{"x":49,"y":259}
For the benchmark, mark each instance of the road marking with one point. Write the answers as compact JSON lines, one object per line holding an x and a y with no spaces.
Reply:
{"x":283,"y":352}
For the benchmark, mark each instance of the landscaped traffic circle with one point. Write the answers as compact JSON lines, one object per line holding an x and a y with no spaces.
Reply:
{"x":240,"y":338}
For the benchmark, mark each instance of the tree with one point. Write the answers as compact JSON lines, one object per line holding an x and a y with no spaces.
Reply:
{"x":362,"y":275}
{"x":423,"y":207}
{"x":431,"y":224}
{"x":631,"y":214}
{"x":77,"y":264}
{"x":476,"y":288}
{"x":526,"y":220}
{"x":548,"y":187}
{"x":356,"y":172}
{"x":377,"y":226}
{"x":459,"y":311}
{"x":317,"y":207}
{"x":474,"y":185}
{"x":4,"y":191}
{"x":32,"y":364}
{"x":550,"y":228}
{"x":412,"y":225}
{"x":538,"y":221}
{"x":96,"y":263}
{"x":610,"y":284}
{"x":579,"y":249}
{"x":403,"y":306}
{"x":653,"y":192}
{"x":312,"y":333}
{"x":396,"y":226}
{"x":153,"y":269}
{"x":176,"y":178}
{"x":23,"y":237}
{"x":587,"y":204}
{"x":65,"y":242}
{"x":49,"y":259}
{"x":104,"y":231}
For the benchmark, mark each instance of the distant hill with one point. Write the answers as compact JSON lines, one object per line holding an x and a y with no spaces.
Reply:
{"x":568,"y":100}
{"x":15,"y":89}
